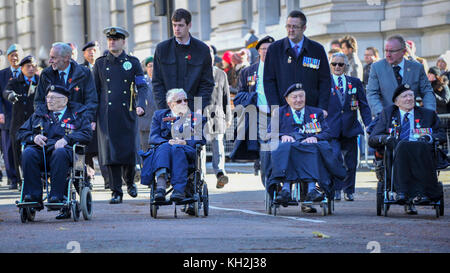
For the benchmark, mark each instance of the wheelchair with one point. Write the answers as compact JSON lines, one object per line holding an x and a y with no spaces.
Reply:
{"x":78,"y":184}
{"x":385,"y":187}
{"x":197,"y":197}
{"x":298,"y":196}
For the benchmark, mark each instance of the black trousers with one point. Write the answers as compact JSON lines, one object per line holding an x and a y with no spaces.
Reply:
{"x":119,"y":173}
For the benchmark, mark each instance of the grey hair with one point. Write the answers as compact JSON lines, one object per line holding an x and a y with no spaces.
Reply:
{"x":64,"y":49}
{"x":342,"y":55}
{"x":172,"y":92}
{"x":399,"y":38}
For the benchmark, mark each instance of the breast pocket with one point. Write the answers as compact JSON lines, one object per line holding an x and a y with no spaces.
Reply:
{"x":168,"y":70}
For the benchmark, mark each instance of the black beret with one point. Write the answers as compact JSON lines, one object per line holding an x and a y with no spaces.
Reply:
{"x":400,"y":89}
{"x":28,"y":59}
{"x":292,"y":88}
{"x":267,"y":39}
{"x":90,"y":44}
{"x":58,"y":89}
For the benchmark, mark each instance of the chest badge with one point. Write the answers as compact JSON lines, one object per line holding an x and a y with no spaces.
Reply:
{"x":127,"y":65}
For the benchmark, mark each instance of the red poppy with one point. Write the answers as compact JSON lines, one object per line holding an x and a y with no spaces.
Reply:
{"x":65,"y":121}
{"x":70,"y":80}
{"x":287,"y":114}
{"x":188,"y":57}
{"x":312,"y":115}
{"x":417,"y":120}
{"x":349,"y":86}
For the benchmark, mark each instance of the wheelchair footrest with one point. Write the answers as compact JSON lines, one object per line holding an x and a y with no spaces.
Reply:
{"x":54,"y":206}
{"x":161,"y":203}
{"x":185,"y":201}
{"x":29,"y":205}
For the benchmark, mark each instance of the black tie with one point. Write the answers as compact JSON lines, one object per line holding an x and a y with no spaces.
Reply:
{"x":398,"y":77}
{"x":15,"y":74}
{"x":61,"y":77}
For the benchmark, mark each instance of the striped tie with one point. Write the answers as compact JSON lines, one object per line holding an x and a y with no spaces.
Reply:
{"x":404,"y":133}
{"x":341,"y":89}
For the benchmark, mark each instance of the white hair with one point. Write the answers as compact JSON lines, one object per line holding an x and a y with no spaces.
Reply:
{"x":341,"y":55}
{"x":63,"y":49}
{"x":172,"y":92}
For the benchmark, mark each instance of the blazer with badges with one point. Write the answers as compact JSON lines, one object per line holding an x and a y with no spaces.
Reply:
{"x":248,"y":79}
{"x":73,"y":126}
{"x":343,"y":117}
{"x":23,"y":108}
{"x":198,"y":80}
{"x":163,"y":122}
{"x":313,"y":125}
{"x":311,"y":68}
{"x":80,"y":83}
{"x":426,"y":122}
{"x":121,"y":87}
{"x":382,"y":83}
{"x":5,"y":106}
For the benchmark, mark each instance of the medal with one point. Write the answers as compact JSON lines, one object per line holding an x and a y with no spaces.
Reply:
{"x":289,"y":60}
{"x":127,"y":65}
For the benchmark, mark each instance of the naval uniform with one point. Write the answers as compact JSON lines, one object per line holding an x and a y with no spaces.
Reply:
{"x":121,"y":88}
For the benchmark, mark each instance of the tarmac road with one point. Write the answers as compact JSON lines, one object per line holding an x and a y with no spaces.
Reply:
{"x":237,"y":223}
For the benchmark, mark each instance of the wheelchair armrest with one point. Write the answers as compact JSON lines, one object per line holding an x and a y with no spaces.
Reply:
{"x":79,"y":149}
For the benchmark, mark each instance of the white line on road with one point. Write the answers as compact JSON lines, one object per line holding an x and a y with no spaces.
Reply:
{"x":263,"y":214}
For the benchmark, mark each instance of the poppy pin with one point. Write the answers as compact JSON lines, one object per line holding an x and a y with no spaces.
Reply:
{"x":188,"y":57}
{"x":70,"y":80}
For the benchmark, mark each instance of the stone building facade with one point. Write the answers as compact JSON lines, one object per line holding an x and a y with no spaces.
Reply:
{"x":36,"y":24}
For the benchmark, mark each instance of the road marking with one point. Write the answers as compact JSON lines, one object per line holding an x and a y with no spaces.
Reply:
{"x":264,"y":214}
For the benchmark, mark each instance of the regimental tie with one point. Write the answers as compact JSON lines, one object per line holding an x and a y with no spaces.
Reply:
{"x":15,"y":73}
{"x":300,"y":116}
{"x":296,"y":47}
{"x":398,"y":77}
{"x":61,"y":77}
{"x":405,"y":129}
{"x":57,"y":114}
{"x":341,"y":88}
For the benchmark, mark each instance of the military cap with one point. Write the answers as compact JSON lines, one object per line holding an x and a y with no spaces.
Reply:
{"x":58,"y":89}
{"x":292,"y":88}
{"x":267,"y":39}
{"x":116,"y":32}
{"x":12,"y":48}
{"x":400,"y":89}
{"x":28,"y":59}
{"x":148,"y":60}
{"x":90,"y":44}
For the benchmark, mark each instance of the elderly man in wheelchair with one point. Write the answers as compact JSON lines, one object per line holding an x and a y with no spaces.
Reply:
{"x":409,"y":136}
{"x":48,"y":137}
{"x":303,"y":153}
{"x":174,"y":136}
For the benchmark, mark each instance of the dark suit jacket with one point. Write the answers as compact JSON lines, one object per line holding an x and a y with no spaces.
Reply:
{"x":342,"y":120}
{"x":423,"y":118}
{"x":80,"y":82}
{"x":198,"y":81}
{"x":282,"y":69}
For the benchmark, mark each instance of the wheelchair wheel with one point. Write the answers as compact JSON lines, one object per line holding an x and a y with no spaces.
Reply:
{"x":31,"y":213}
{"x":385,"y":209}
{"x":205,"y":200}
{"x":437,"y":209}
{"x":330,"y":204}
{"x":324,"y":209}
{"x":75,"y":207}
{"x":86,"y":203}
{"x":153,"y":210}
{"x":441,"y":207}
{"x":268,"y":204}
{"x":23,"y":215}
{"x":197,"y":207}
{"x":380,"y":198}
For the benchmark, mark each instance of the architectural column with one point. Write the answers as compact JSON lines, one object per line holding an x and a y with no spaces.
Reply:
{"x":73,"y":24}
{"x":43,"y":22}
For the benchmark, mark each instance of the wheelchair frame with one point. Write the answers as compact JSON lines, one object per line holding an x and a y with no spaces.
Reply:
{"x":77,"y":182}
{"x":272,"y":207}
{"x":386,"y":194}
{"x":200,"y":198}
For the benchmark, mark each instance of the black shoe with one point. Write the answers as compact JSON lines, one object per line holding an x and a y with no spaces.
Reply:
{"x":132,"y":190}
{"x":411,"y":210}
{"x":222,"y":180}
{"x":54,"y":199}
{"x":337,"y":196}
{"x":116,"y":199}
{"x":64,"y":214}
{"x":13,"y":186}
{"x":28,"y":199}
{"x":189,"y":209}
{"x":422,"y":200}
{"x":283,"y":197}
{"x":160,"y":195}
{"x":177,"y":197}
{"x":106,"y":186}
{"x":308,"y":209}
{"x":348,"y":197}
{"x":314,"y":196}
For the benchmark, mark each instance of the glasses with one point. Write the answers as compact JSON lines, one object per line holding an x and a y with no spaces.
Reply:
{"x":296,"y":27}
{"x":393,"y":50}
{"x":53,"y":98}
{"x":180,"y":101}
{"x":339,"y":64}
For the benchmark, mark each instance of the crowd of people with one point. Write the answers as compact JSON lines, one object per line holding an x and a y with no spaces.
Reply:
{"x":117,"y":105}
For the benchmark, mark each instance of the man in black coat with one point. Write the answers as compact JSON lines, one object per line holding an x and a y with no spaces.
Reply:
{"x":122,"y":92}
{"x":297,"y":59}
{"x":409,"y":131}
{"x":20,"y":92}
{"x":66,"y":72}
{"x":53,"y":129}
{"x":182,"y":62}
{"x":14,"y":54}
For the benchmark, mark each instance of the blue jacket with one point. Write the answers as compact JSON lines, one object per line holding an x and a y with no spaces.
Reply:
{"x":343,"y":121}
{"x":5,"y":105}
{"x":282,"y":69}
